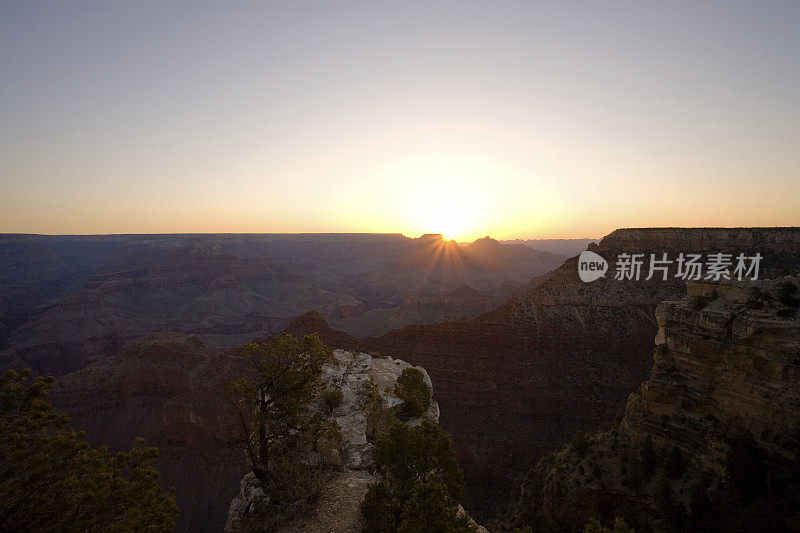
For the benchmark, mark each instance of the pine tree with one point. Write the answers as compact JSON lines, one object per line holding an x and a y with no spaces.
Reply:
{"x":52,"y":480}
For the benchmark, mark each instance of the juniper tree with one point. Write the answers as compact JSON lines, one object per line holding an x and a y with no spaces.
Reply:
{"x":289,"y":443}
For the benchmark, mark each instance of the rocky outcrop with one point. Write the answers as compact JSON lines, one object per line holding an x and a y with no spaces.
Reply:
{"x":312,"y":322}
{"x":726,"y":368}
{"x":338,"y":507}
{"x":734,"y":363}
{"x":770,"y":241}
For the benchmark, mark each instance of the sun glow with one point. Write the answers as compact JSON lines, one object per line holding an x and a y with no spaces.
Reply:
{"x":451,"y":214}
{"x":449,"y":220}
{"x":455,"y":194}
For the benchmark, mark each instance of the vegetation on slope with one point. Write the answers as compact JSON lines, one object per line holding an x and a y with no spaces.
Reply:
{"x":420,"y":483}
{"x":52,"y":480}
{"x":292,"y":446}
{"x":416,"y":395}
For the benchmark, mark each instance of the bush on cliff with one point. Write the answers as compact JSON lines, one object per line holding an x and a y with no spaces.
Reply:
{"x":53,"y":480}
{"x":420,"y":482}
{"x":331,"y":399}
{"x":377,"y":416}
{"x":415,"y":393}
{"x":758,"y":298}
{"x":291,"y":446}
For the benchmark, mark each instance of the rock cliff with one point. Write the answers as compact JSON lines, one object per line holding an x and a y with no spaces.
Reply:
{"x":338,"y":507}
{"x":711,"y":439}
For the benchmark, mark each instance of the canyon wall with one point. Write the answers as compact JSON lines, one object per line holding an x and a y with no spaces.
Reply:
{"x":710,"y":440}
{"x":519,"y":381}
{"x":167,"y":388}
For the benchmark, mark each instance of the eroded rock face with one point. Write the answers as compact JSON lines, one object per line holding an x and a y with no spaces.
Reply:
{"x":726,"y":364}
{"x":768,"y":241}
{"x":563,"y":357}
{"x":338,"y":507}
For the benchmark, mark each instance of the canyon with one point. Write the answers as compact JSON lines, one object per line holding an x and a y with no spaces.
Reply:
{"x":519,"y":381}
{"x":67,"y":301}
{"x":145,"y":334}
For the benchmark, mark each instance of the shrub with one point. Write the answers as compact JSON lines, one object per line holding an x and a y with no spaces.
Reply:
{"x":787,"y":288}
{"x":758,"y":298}
{"x":788,"y":294}
{"x":331,"y":399}
{"x":632,"y":470}
{"x":415,"y":393}
{"x":430,"y":509}
{"x":419,"y":479}
{"x":378,"y":417}
{"x":329,"y":444}
{"x":594,"y":526}
{"x":745,"y":469}
{"x":379,"y":508}
{"x":669,"y":507}
{"x":754,"y":303}
{"x":648,"y":457}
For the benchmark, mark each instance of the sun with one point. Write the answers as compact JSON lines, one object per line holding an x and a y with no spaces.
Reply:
{"x":445,"y":215}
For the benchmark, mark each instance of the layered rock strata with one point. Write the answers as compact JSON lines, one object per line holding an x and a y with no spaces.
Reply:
{"x":726,"y":371}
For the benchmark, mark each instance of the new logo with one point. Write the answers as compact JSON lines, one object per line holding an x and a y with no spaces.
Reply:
{"x":591,"y":266}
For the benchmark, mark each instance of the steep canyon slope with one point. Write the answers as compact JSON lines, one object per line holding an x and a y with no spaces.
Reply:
{"x":516,"y":382}
{"x":711,"y":441}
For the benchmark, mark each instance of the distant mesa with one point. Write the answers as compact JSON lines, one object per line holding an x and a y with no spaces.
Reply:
{"x":313,"y":322}
{"x":486,"y":242}
{"x":466,"y":291}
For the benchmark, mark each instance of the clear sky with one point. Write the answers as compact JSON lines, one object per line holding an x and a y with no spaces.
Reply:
{"x":515,"y":119}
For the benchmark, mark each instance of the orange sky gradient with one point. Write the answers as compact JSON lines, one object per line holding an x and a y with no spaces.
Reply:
{"x":518,"y":120}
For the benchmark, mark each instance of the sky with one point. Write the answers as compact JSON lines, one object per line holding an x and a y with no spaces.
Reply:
{"x":514,"y":119}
